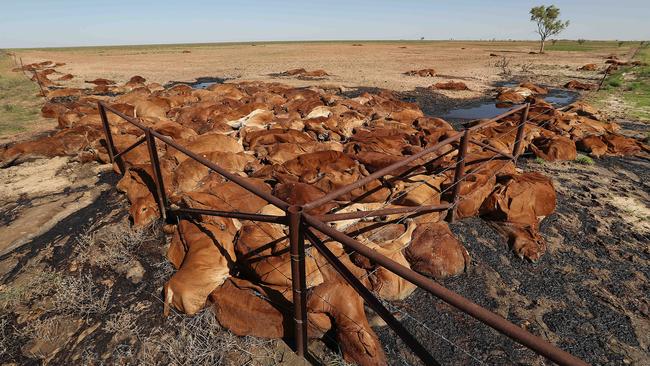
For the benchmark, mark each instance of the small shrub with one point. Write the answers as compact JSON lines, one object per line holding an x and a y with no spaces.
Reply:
{"x":123,"y":322}
{"x":584,"y":160}
{"x":4,"y":337}
{"x":200,"y":340}
{"x":614,"y":83}
{"x":48,"y":329}
{"x":504,"y":64}
{"x":581,"y":41}
{"x":114,"y":245}
{"x":620,"y":43}
{"x":80,"y":295}
{"x":526,"y":67}
{"x":33,"y":284}
{"x":9,"y":108}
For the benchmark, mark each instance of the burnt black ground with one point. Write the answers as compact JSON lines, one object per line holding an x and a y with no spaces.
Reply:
{"x":577,"y":296}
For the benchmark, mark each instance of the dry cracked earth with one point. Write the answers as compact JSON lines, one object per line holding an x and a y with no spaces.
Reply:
{"x":79,"y":286}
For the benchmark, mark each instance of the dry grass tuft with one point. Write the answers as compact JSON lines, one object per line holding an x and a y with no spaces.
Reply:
{"x":5,"y":341}
{"x":30,"y":285}
{"x":200,"y":340}
{"x":47,"y":329}
{"x":113,"y":245}
{"x":80,"y":295}
{"x":124,"y":322}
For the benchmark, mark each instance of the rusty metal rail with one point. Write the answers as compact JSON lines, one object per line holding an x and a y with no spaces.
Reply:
{"x":301,"y":226}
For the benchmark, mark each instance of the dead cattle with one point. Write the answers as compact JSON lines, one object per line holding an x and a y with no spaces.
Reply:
{"x":208,"y":259}
{"x":517,"y":205}
{"x":435,"y":252}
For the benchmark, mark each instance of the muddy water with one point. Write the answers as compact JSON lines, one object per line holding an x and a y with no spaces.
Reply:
{"x":487,"y":108}
{"x":199,"y":83}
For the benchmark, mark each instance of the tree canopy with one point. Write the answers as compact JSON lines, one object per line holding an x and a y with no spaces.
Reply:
{"x":548,"y":22}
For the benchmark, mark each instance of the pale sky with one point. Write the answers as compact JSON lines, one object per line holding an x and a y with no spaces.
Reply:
{"x":57,"y":23}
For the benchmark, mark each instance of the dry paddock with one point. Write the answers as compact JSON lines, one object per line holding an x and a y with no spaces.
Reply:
{"x":370,"y":64}
{"x":588,"y":294}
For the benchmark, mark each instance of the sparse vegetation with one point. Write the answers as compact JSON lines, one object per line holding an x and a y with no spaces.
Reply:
{"x":539,"y":161}
{"x":199,"y":340}
{"x":4,"y":336}
{"x":504,"y":65}
{"x":19,"y":103}
{"x":123,"y":323}
{"x":46,"y":329}
{"x":30,"y":285}
{"x":526,"y":67}
{"x":584,"y":160}
{"x":113,"y":245}
{"x":80,"y":295}
{"x":581,"y":41}
{"x":630,"y":85}
{"x":591,"y":46}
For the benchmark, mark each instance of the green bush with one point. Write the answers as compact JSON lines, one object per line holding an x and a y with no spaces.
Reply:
{"x":615,"y":83}
{"x":584,"y":160}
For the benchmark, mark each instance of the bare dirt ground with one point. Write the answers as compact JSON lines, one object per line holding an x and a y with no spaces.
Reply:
{"x":372,"y":64}
{"x":78,"y":286}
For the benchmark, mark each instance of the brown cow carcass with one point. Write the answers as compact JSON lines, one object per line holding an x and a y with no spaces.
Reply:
{"x":516,"y":206}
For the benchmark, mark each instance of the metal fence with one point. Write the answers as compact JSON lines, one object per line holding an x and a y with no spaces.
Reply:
{"x":303,"y":226}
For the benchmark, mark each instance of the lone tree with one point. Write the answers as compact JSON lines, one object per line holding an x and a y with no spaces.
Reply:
{"x":547,"y":21}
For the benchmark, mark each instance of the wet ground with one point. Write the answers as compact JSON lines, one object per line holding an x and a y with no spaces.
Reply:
{"x":487,"y":108}
{"x":199,"y":83}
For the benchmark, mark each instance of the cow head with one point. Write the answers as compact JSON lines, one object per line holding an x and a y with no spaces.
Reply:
{"x":144,"y":211}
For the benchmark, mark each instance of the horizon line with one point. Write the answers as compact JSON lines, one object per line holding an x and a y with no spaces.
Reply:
{"x":255,"y":42}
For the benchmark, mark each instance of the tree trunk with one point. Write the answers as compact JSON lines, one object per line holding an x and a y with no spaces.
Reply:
{"x":541,"y":46}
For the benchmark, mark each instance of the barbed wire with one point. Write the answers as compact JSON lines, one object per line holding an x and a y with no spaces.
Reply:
{"x":393,"y":308}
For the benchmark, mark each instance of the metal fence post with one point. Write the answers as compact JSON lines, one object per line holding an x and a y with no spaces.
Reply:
{"x":298,"y":280}
{"x":157,"y":176}
{"x":110,"y":145}
{"x":520,"y":133}
{"x":22,"y":67}
{"x":458,"y":175}
{"x":40,"y":86}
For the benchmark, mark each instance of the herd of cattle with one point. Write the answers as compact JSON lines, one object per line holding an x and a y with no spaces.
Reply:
{"x":298,"y":144}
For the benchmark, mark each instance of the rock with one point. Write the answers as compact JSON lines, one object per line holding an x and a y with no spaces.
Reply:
{"x":135,"y":272}
{"x":585,"y":329}
{"x":52,"y":334}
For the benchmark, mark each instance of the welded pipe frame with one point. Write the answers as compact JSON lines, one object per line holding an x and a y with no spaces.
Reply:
{"x":299,"y":221}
